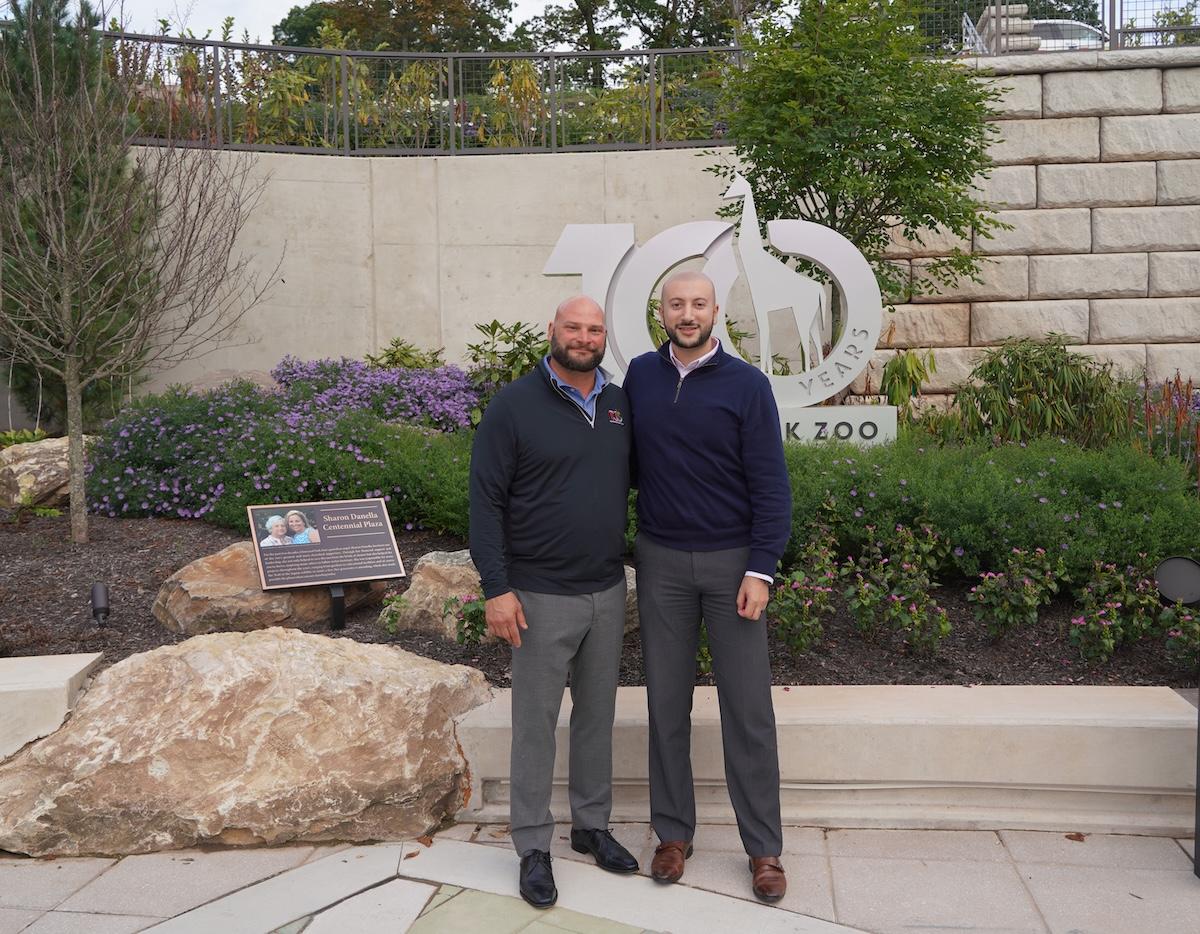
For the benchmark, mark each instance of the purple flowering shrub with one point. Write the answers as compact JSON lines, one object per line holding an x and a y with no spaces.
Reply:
{"x":169,"y":455}
{"x":441,"y":398}
{"x":189,"y":454}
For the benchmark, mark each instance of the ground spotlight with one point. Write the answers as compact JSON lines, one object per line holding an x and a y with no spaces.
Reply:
{"x":1178,"y":580}
{"x":100,"y":603}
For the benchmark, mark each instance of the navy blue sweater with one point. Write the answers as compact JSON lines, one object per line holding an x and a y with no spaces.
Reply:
{"x":709,"y":454}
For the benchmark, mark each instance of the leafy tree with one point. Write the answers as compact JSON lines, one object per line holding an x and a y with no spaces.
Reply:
{"x":583,"y":25}
{"x":406,"y":25}
{"x":691,"y":23}
{"x":111,"y":258}
{"x":842,"y":119}
{"x":302,"y":24}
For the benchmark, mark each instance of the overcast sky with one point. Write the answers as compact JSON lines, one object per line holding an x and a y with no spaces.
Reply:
{"x":258,"y":16}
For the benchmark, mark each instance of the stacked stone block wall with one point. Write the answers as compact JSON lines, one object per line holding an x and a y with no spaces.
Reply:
{"x":1098,"y":176}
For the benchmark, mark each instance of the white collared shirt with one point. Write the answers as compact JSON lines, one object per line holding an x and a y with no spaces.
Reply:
{"x":686,"y":368}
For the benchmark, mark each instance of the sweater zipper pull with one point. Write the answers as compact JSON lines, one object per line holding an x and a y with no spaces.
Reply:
{"x":678,"y":386}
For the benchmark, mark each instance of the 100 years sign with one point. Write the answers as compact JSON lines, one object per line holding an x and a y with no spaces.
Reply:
{"x":335,"y":542}
{"x":621,"y":276}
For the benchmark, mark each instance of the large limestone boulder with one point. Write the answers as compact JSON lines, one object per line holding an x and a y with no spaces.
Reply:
{"x":245,"y":739}
{"x":442,"y":575}
{"x":222,"y":593}
{"x":35,"y":474}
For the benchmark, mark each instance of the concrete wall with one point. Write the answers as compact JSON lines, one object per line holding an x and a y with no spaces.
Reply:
{"x":425,"y":248}
{"x":1098,"y":172}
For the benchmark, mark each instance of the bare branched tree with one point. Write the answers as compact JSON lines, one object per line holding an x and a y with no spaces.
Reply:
{"x":114,"y":258}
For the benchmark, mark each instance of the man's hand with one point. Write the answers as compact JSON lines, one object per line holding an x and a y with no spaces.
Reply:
{"x":505,"y":618}
{"x":752,"y":597}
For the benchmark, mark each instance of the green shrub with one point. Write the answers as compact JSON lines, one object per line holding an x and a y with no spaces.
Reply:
{"x":20,"y":436}
{"x":891,"y":586}
{"x":470,"y":618}
{"x":802,"y":597}
{"x":407,"y":355}
{"x":1010,"y":598}
{"x":1183,"y":635}
{"x":506,"y":352}
{"x":1120,"y":606}
{"x":1029,"y":389}
{"x":211,"y":454}
{"x":983,"y":501}
{"x":903,"y":376}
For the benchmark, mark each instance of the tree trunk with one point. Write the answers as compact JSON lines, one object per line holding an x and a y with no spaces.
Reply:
{"x":75,"y":461}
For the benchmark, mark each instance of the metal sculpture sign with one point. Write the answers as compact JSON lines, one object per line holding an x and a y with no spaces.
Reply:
{"x":621,"y":277}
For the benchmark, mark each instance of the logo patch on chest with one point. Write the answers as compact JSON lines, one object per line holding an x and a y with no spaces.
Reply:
{"x":614,"y":416}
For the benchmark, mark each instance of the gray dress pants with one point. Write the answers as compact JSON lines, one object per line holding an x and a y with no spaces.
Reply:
{"x":577,"y":636}
{"x":676,"y":589}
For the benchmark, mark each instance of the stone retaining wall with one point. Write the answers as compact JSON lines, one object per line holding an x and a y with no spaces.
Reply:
{"x":1098,"y":173}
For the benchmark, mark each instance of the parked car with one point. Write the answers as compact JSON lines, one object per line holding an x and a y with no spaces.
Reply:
{"x":1061,"y":35}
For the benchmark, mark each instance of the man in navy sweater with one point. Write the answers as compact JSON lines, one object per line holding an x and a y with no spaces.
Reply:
{"x":714,"y":515}
{"x":549,"y":487}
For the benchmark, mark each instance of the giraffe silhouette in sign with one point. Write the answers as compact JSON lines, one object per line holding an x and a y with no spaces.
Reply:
{"x":774,"y":286}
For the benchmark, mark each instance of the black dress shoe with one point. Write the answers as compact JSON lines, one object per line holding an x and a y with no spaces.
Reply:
{"x":537,"y":879}
{"x":609,"y":854}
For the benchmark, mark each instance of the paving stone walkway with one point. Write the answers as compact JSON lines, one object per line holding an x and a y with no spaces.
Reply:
{"x":839,"y":880}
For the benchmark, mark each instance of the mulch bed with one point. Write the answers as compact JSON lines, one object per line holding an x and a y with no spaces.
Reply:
{"x":45,"y":583}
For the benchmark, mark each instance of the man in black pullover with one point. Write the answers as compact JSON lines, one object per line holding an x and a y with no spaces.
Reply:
{"x":549,"y":485}
{"x":714,"y":515}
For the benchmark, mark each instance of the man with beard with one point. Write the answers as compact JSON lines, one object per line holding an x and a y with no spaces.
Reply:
{"x":549,"y":485}
{"x":714,"y":515}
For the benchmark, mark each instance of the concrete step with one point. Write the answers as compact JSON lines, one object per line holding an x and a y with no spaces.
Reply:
{"x":36,"y":694}
{"x":1094,"y":759}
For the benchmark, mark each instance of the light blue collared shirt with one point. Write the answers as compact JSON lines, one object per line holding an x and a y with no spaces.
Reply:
{"x":586,"y":403}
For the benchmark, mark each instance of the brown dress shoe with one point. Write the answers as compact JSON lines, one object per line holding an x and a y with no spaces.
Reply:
{"x":667,"y":865}
{"x":770,"y":884}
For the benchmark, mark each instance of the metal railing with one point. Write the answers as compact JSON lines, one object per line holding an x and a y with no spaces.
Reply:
{"x":993,"y":27}
{"x":288,"y":99}
{"x":352,"y":102}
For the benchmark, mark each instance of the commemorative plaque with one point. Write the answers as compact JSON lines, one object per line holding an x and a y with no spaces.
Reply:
{"x":334,"y":542}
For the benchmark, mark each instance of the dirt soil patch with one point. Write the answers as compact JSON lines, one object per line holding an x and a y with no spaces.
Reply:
{"x":45,"y":583}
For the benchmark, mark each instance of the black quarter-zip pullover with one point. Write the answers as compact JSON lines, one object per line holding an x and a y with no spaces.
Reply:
{"x":549,"y":490}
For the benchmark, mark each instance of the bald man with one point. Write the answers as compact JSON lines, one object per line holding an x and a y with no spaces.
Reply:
{"x":549,"y":486}
{"x":714,"y":515}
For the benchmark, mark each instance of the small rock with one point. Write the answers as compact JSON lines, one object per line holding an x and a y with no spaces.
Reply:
{"x":34,"y":474}
{"x":442,"y":575}
{"x":222,"y":593}
{"x":437,"y":577}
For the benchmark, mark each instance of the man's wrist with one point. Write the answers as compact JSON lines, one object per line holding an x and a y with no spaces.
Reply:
{"x":761,"y":577}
